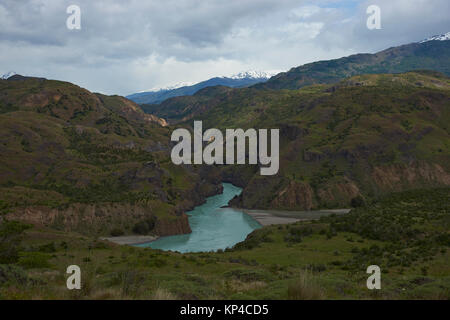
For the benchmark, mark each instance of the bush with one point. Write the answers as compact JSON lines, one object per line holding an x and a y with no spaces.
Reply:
{"x":131,"y":283}
{"x":246,"y":275}
{"x":162,"y":294}
{"x":48,"y":248}
{"x":296,"y":233}
{"x":304,"y":289}
{"x":317,"y":267}
{"x":10,"y":237}
{"x":31,"y":260}
{"x":116,"y":232}
{"x":4,"y":207}
{"x":358,"y":201}
{"x":12,"y":274}
{"x":253,"y":240}
{"x":158,"y":263}
{"x":141,"y":228}
{"x":145,"y":226}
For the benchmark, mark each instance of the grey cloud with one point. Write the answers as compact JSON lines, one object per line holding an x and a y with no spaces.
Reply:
{"x":132,"y":45}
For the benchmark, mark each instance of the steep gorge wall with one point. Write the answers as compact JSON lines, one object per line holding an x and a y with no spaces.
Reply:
{"x":339,"y":192}
{"x":100,"y":219}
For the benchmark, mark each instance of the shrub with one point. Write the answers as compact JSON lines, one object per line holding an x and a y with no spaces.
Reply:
{"x":141,"y":228}
{"x":12,"y":274}
{"x":253,"y":240}
{"x":305,"y":289}
{"x":31,"y":260}
{"x":64,"y":245}
{"x":131,"y":282}
{"x":296,"y":233}
{"x":162,"y":294}
{"x":317,"y":267}
{"x":48,"y":248}
{"x":145,"y":226}
{"x":10,"y":237}
{"x":158,"y":263}
{"x":358,"y":201}
{"x":247,"y":275}
{"x":106,"y":294}
{"x":116,"y":232}
{"x":4,"y":207}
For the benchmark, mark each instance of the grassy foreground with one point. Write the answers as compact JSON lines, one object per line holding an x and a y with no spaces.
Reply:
{"x":406,"y":234}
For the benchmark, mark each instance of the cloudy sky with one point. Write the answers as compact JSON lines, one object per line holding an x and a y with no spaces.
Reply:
{"x":126,"y":46}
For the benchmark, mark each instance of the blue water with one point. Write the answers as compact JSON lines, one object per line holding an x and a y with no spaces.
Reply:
{"x":212,"y":227}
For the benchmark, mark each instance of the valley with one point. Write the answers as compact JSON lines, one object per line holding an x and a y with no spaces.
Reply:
{"x":359,"y":138}
{"x":366,"y":132}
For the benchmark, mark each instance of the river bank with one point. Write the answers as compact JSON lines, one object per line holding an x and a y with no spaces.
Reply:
{"x":130,"y":240}
{"x":213,"y":227}
{"x":270,"y":217}
{"x":263,"y":217}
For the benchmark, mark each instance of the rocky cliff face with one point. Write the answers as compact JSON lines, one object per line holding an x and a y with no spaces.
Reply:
{"x":129,"y":109}
{"x":179,"y":225}
{"x":100,"y":219}
{"x":364,"y":136}
{"x":296,"y":194}
{"x":339,"y":192}
{"x":400,"y":176}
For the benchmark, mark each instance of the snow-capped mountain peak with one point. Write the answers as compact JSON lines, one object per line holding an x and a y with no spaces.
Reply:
{"x":171,"y":87}
{"x":252,"y":74}
{"x":8,"y":75}
{"x":441,"y":37}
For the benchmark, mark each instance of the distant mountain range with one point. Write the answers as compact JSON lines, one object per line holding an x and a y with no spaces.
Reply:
{"x":441,"y":37}
{"x":431,"y":54}
{"x":240,"y":80}
{"x":8,"y":75}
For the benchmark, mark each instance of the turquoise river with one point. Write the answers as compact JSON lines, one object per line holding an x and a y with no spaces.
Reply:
{"x":212,"y":227}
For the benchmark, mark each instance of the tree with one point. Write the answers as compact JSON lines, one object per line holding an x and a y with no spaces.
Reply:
{"x":10,"y":237}
{"x":358,"y":201}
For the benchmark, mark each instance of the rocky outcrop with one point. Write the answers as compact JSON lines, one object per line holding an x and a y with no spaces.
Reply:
{"x":296,"y":195}
{"x":301,"y":196}
{"x":337,"y":194}
{"x":398,"y":177}
{"x":129,"y":109}
{"x":338,"y":191}
{"x":179,"y":225}
{"x":152,"y":118}
{"x":100,"y":219}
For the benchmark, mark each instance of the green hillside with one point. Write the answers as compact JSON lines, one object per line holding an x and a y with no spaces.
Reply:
{"x":432,"y":55}
{"x":351,"y":141}
{"x":359,"y":138}
{"x":80,"y":161}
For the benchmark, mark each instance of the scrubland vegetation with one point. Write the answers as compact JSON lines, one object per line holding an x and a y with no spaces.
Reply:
{"x":406,"y":234}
